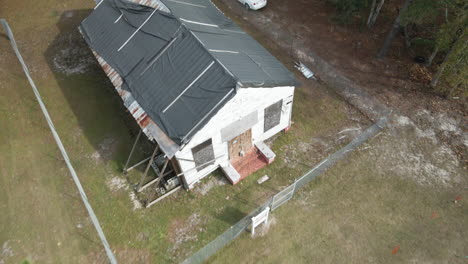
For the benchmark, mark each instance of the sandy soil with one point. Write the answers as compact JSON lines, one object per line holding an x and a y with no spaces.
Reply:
{"x":306,"y":29}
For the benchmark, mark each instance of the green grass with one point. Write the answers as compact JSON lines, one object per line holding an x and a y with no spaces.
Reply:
{"x":358,"y":212}
{"x":43,"y":219}
{"x":354,"y":213}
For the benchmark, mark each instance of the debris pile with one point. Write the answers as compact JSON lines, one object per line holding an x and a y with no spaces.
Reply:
{"x":305,"y":71}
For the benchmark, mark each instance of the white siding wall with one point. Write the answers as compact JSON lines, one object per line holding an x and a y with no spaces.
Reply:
{"x":246,"y":101}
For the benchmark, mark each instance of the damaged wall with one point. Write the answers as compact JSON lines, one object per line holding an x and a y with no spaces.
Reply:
{"x":246,"y":103}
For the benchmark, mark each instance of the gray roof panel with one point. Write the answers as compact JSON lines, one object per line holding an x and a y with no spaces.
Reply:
{"x":171,"y":75}
{"x":251,"y":63}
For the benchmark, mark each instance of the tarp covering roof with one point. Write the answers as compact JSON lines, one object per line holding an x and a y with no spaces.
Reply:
{"x":242,"y":55}
{"x":176,"y":81}
{"x":180,"y":66}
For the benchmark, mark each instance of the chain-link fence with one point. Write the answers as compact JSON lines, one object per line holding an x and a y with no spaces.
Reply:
{"x":283,"y":196}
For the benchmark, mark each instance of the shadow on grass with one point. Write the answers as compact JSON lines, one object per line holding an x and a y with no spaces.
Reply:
{"x":99,"y":111}
{"x":231,"y":215}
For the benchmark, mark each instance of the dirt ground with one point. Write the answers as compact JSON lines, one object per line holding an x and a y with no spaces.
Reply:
{"x":390,"y":201}
{"x":305,"y":28}
{"x":424,"y":149}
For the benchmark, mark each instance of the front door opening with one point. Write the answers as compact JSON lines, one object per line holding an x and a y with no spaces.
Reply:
{"x":240,"y":145}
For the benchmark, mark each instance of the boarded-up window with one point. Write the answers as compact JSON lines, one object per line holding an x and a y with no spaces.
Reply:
{"x":203,"y":155}
{"x":272,"y":115}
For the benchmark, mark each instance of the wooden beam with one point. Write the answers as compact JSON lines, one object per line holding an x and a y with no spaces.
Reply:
{"x":164,"y":196}
{"x":147,"y":167}
{"x":161,"y":175}
{"x":164,"y":168}
{"x":154,"y":181}
{"x":175,"y":165}
{"x":138,"y":164}
{"x":131,"y":152}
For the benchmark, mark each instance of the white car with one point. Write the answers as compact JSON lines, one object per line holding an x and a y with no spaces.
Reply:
{"x":254,"y":4}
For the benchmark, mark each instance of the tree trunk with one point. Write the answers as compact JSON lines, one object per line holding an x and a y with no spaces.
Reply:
{"x":393,"y":32}
{"x":407,"y":37}
{"x":446,"y":15}
{"x":371,"y":13}
{"x":436,"y":77}
{"x":374,"y":13}
{"x":459,"y":62}
{"x":431,"y":58}
{"x":439,"y":72}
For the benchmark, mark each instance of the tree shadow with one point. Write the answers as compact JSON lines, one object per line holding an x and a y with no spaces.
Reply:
{"x":99,"y":111}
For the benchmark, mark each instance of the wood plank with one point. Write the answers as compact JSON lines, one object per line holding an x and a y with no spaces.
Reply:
{"x":147,"y":167}
{"x":243,"y":142}
{"x":164,"y":196}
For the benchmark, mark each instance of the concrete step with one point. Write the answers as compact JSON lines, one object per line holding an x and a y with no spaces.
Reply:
{"x":266,"y":152}
{"x":231,"y":173}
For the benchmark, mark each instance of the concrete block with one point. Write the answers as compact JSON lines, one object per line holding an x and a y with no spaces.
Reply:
{"x":231,"y":173}
{"x":266,"y":152}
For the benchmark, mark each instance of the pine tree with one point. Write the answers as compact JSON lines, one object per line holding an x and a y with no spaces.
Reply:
{"x":395,"y":29}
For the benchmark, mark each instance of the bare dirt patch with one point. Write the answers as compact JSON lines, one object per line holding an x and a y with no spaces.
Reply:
{"x":71,"y":55}
{"x":117,"y":183}
{"x":307,"y":153}
{"x":106,"y":150}
{"x":212,"y":182}
{"x":7,"y":251}
{"x":345,"y":58}
{"x":136,"y":203}
{"x":184,"y":231}
{"x":410,"y":151}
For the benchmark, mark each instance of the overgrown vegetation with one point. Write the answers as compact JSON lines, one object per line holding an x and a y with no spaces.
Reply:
{"x":434,"y":30}
{"x":347,"y":9}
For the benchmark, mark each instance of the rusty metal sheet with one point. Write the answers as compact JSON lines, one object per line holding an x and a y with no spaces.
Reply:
{"x":149,"y":127}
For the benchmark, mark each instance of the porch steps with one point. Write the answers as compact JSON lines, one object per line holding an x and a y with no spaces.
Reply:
{"x":251,"y":162}
{"x":256,"y":158}
{"x":231,"y":173}
{"x":266,"y":152}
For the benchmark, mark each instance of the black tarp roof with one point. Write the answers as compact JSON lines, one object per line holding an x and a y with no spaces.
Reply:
{"x":181,"y":67}
{"x":242,"y":55}
{"x":180,"y":86}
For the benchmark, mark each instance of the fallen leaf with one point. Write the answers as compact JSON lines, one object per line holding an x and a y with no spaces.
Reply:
{"x":395,"y":250}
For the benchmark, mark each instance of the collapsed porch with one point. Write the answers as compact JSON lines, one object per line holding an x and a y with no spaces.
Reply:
{"x":165,"y":181}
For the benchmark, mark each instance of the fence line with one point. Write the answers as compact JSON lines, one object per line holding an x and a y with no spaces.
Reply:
{"x":93,"y":217}
{"x":284,"y":195}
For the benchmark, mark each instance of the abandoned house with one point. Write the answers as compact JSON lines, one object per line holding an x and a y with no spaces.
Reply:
{"x":204,"y":91}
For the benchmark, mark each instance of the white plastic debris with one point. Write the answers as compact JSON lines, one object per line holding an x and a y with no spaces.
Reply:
{"x":305,"y":71}
{"x":263,"y":179}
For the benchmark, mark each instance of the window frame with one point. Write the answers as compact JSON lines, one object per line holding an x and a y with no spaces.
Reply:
{"x":205,"y":146}
{"x":273,"y":123}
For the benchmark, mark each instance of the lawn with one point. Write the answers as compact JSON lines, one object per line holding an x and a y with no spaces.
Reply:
{"x":376,"y":206}
{"x":43,"y":219}
{"x":398,"y":190}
